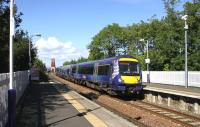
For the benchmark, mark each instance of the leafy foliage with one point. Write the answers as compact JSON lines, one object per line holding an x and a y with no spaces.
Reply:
{"x":165,"y":37}
{"x":109,"y":42}
{"x":20,"y":44}
{"x":80,"y":60}
{"x":39,"y":64}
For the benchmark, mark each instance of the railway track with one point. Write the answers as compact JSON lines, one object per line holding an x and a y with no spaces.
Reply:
{"x":179,"y":118}
{"x":175,"y":116}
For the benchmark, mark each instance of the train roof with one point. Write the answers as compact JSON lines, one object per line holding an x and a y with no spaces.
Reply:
{"x":107,"y":59}
{"x":102,"y":61}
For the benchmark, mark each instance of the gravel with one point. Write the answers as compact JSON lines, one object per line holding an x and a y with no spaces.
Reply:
{"x":120,"y":107}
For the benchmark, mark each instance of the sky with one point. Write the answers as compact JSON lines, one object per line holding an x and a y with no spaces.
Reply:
{"x":68,"y":26}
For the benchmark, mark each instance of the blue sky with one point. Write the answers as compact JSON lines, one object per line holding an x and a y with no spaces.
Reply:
{"x":73,"y":23}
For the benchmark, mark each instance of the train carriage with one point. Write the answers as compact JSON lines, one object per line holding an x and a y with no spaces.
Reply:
{"x":116,"y":75}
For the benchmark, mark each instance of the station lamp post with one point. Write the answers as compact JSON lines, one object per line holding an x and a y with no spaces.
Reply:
{"x":11,"y":90}
{"x":35,"y":35}
{"x":147,"y":60}
{"x":186,"y":66}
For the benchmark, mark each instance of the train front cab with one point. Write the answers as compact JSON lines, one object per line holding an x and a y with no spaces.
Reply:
{"x":129,"y":78}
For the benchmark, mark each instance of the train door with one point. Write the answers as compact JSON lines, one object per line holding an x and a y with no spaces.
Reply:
{"x":95,"y":72}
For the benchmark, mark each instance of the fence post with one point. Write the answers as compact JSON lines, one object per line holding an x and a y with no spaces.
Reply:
{"x":148,"y":78}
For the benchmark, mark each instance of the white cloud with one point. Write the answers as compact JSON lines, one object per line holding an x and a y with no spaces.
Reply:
{"x":61,"y":51}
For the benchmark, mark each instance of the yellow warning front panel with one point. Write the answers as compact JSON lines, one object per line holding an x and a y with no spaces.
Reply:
{"x":131,"y":79}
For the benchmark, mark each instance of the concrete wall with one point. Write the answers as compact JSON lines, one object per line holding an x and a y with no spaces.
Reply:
{"x":20,"y":83}
{"x":173,"y":77}
{"x":183,"y":103}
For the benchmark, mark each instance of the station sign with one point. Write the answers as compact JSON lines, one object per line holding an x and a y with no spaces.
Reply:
{"x":147,"y":61}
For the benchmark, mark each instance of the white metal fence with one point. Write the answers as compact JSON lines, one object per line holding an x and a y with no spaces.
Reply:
{"x":173,"y":77}
{"x":20,"y":83}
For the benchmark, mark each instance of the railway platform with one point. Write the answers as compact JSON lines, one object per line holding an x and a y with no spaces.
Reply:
{"x":54,"y":104}
{"x":174,"y":96}
{"x":193,"y":92}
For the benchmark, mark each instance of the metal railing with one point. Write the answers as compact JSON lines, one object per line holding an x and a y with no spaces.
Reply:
{"x":173,"y":77}
{"x":20,"y":83}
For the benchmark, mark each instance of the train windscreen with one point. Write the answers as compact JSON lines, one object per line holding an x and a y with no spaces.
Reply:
{"x":129,"y":68}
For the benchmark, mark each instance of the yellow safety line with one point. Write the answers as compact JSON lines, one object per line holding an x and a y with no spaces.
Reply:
{"x":95,"y":121}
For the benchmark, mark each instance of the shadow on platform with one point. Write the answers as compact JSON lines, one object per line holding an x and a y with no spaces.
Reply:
{"x":43,"y":105}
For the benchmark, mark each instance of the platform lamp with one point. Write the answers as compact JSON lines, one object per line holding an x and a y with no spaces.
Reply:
{"x":147,"y":60}
{"x":11,"y":90}
{"x":185,"y":17}
{"x":35,"y":35}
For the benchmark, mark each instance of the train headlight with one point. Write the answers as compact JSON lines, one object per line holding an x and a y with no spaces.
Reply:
{"x":119,"y":80}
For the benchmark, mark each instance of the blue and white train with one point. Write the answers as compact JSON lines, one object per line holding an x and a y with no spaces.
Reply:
{"x":116,"y":75}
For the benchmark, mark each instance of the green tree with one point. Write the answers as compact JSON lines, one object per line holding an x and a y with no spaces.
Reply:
{"x":20,"y":43}
{"x":108,"y":42}
{"x":80,"y":60}
{"x":42,"y":68}
{"x":192,"y":9}
{"x":165,"y":37}
{"x":4,"y":36}
{"x":66,"y":63}
{"x":21,"y":48}
{"x":39,"y":64}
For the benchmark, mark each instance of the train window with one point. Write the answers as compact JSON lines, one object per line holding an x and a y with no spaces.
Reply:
{"x":81,"y":70}
{"x":89,"y":70}
{"x":86,"y":70}
{"x":74,"y":69}
{"x":104,"y":70}
{"x":129,"y":68}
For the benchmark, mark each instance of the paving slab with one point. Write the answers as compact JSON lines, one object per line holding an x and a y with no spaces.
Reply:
{"x":43,"y":105}
{"x":108,"y":117}
{"x":47,"y":104}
